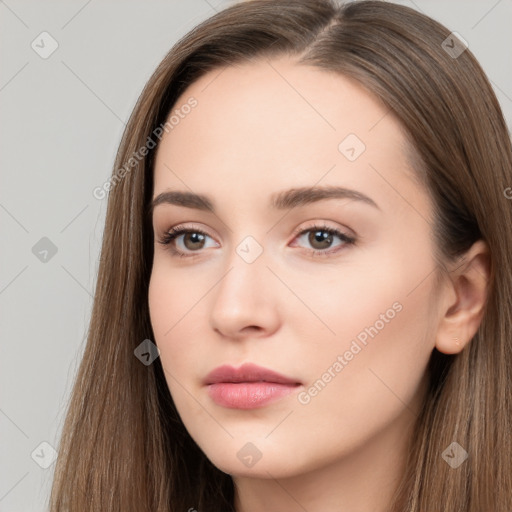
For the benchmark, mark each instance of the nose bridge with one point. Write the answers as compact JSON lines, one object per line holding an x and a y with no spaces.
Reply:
{"x":243,"y":298}
{"x":247,"y":269}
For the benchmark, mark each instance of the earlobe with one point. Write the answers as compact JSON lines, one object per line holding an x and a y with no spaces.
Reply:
{"x":463,"y":315}
{"x":451,"y":344}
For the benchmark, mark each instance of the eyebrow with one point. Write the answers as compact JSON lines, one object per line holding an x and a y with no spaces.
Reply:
{"x":282,"y":200}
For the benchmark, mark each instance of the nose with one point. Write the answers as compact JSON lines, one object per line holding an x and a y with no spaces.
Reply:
{"x":246,"y":300}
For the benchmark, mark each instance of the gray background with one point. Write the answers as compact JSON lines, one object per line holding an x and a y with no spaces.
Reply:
{"x":61,"y":121}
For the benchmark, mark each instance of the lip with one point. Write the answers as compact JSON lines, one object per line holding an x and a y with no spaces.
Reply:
{"x":248,"y":372}
{"x":248,"y":387}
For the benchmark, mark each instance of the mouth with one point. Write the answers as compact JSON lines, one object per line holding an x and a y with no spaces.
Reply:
{"x":248,"y":387}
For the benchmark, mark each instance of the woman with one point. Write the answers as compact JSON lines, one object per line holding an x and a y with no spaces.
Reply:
{"x":305,"y":278}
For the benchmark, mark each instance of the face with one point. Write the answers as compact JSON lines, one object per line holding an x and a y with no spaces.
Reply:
{"x":332,"y":290}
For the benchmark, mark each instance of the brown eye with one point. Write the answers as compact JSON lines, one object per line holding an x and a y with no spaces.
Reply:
{"x":320,"y":239}
{"x":189,"y":242}
{"x":193,"y":240}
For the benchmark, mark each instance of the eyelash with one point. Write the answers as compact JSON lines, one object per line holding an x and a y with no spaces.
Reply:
{"x":173,"y":233}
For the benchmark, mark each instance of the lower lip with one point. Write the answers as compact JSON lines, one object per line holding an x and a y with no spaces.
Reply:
{"x":248,"y":395}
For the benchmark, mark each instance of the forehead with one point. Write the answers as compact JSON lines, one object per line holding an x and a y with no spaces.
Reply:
{"x":284,"y":99}
{"x":272,"y":124}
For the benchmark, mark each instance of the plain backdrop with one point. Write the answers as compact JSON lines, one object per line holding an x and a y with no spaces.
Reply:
{"x":62,"y":117}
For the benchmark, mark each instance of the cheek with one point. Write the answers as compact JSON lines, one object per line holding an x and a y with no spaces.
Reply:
{"x":373,"y":368}
{"x":161,"y":302}
{"x":172,"y":295}
{"x":175,"y":311}
{"x":166,"y":299}
{"x":174,"y":299}
{"x":380,"y":380}
{"x":372,"y":289}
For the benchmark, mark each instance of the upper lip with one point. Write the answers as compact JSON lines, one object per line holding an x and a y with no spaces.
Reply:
{"x":248,"y":372}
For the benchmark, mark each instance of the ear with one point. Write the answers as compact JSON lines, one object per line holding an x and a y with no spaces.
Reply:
{"x":465,"y":300}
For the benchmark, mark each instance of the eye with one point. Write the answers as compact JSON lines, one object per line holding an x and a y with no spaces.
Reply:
{"x":192,"y":243}
{"x":321,"y":238}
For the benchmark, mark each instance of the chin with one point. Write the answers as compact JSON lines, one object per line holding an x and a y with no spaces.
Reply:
{"x":254,"y":460}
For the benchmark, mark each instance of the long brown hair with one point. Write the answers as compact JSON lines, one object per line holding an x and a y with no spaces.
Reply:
{"x":123,"y":445}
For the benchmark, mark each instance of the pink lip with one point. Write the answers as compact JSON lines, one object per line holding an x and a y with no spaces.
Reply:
{"x":247,"y":387}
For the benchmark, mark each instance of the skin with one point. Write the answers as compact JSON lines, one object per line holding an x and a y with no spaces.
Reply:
{"x":263,"y":127}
